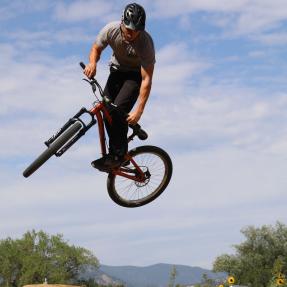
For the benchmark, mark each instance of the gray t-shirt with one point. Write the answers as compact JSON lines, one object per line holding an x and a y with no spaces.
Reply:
{"x":127,"y":56}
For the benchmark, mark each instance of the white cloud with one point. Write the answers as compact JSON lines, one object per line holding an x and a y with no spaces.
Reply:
{"x":36,"y":40}
{"x":85,"y":10}
{"x":257,"y":54}
{"x":279,"y":147}
{"x":236,"y":18}
{"x":252,"y":18}
{"x":175,"y":67}
{"x":189,"y":6}
{"x":12,"y":9}
{"x":272,"y":38}
{"x":258,"y":15}
{"x":206,"y":113}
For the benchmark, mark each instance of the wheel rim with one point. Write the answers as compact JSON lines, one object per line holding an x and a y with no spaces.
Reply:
{"x":155,"y":170}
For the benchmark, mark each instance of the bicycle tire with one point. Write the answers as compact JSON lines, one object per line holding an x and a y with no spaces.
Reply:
{"x":144,"y":156}
{"x":52,"y":149}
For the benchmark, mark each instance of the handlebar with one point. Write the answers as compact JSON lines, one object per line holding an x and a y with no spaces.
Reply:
{"x":136,"y":128}
{"x":82,"y":65}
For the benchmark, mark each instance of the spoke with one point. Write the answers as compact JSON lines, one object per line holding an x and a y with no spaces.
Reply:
{"x":130,"y":190}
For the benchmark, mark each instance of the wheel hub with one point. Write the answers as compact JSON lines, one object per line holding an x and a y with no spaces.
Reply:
{"x":146,"y":180}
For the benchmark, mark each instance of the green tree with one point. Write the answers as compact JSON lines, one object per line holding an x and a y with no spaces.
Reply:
{"x":9,"y":263}
{"x":37,"y":256}
{"x":278,"y":266}
{"x":172,"y":276}
{"x":254,"y":259}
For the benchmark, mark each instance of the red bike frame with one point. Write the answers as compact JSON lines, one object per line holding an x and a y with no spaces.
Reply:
{"x":99,"y":110}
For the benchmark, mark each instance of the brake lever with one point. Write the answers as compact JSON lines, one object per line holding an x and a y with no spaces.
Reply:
{"x":92,"y":83}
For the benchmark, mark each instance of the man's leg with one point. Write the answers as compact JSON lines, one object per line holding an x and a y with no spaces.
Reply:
{"x":125,"y":101}
{"x":123,"y":89}
{"x":111,"y":90}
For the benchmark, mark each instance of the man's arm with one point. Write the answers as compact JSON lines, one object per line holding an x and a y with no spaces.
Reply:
{"x":91,"y":68}
{"x":147,"y":74}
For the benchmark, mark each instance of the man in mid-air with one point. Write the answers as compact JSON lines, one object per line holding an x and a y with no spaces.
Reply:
{"x":130,"y":79}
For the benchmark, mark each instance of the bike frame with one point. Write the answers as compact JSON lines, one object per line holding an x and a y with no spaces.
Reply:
{"x":99,"y":110}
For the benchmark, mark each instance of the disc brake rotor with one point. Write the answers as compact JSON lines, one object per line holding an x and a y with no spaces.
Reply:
{"x":146,"y":180}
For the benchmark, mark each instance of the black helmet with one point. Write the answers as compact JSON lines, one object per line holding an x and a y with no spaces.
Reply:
{"x":134,"y":17}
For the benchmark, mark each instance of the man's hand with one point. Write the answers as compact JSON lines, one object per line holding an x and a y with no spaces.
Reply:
{"x":90,"y":70}
{"x":134,"y":117}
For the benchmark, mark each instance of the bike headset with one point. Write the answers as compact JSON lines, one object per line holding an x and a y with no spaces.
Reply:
{"x":134,"y":17}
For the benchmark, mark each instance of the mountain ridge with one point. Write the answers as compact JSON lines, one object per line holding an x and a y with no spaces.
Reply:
{"x":155,"y":275}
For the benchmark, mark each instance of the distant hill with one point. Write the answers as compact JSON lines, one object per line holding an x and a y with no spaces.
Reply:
{"x":151,"y":276}
{"x":99,"y":276}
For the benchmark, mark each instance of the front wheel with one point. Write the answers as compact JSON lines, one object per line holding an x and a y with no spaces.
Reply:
{"x":156,"y":165}
{"x":53,"y":148}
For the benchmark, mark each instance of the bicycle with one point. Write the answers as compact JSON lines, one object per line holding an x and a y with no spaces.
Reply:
{"x":146,"y":170}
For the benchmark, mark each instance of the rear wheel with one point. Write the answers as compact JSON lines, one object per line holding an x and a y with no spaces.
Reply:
{"x":53,"y":148}
{"x":157,"y":168}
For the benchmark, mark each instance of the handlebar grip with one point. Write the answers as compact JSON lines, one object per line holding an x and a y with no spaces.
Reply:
{"x":82,"y":65}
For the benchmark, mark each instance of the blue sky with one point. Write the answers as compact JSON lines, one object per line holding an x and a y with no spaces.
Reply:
{"x":218,"y":106}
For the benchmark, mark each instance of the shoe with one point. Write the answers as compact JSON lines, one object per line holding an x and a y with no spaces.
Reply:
{"x":107,"y":162}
